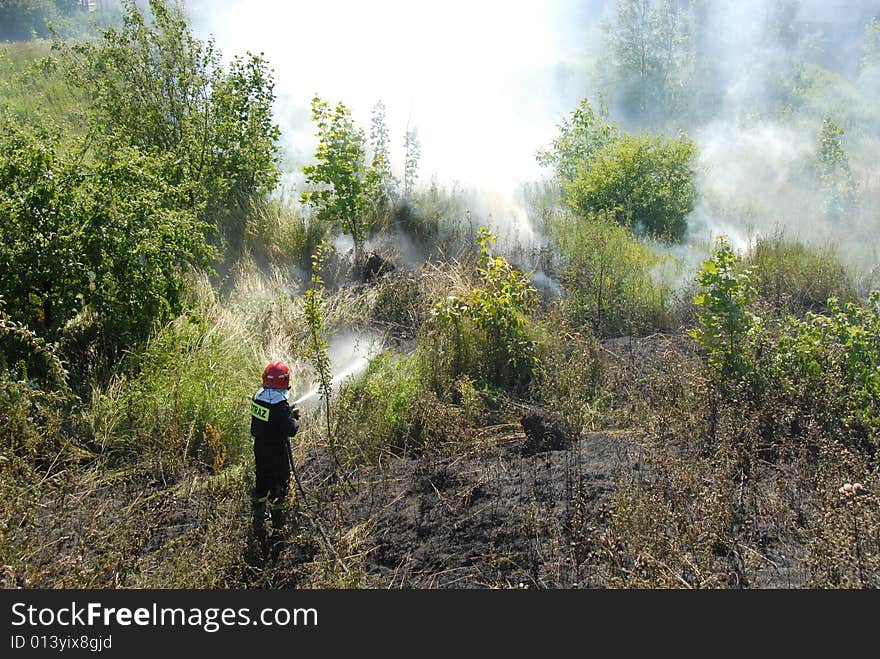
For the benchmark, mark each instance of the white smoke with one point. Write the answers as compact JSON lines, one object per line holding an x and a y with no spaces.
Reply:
{"x":484,"y":82}
{"x":487,"y":82}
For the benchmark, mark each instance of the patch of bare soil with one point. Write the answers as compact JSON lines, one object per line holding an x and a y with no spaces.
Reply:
{"x":506,"y":516}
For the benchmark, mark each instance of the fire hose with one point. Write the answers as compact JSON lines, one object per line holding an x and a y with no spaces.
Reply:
{"x":313,"y":517}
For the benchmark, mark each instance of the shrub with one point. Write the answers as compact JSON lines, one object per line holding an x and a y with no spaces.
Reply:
{"x":483,"y":332}
{"x":722,"y":311}
{"x":827,"y":369}
{"x":645,"y":182}
{"x":113,"y":234}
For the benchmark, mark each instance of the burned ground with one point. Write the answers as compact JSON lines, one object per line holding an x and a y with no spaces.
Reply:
{"x":494,"y":518}
{"x":517,"y":504}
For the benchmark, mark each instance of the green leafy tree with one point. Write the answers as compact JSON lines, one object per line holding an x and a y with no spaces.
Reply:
{"x":646,"y":182}
{"x":835,"y":174}
{"x":346,"y":192}
{"x":161,"y":90}
{"x":722,"y":302}
{"x":111,"y":235}
{"x":581,"y":136}
{"x":108,"y":224}
{"x":22,"y":19}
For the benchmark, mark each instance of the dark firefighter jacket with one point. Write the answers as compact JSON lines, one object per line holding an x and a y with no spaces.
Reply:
{"x":271,"y":424}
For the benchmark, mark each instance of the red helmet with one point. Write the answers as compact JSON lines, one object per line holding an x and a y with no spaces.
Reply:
{"x":276,"y":376}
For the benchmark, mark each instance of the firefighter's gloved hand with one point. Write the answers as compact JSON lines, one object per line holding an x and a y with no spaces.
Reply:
{"x":295,"y":413}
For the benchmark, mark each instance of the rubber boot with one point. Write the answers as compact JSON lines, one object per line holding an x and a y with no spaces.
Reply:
{"x":276,"y":540}
{"x":277,"y":512}
{"x":259,"y":520}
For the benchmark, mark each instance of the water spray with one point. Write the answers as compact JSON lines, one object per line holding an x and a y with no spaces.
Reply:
{"x":354,"y":352}
{"x":355,"y":367}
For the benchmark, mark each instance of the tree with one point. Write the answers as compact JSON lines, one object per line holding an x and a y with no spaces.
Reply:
{"x":347,"y":191}
{"x":581,"y":135}
{"x":161,"y":90}
{"x":21,"y":19}
{"x":645,"y":181}
{"x":835,"y":175}
{"x":412,"y":154}
{"x":113,"y":235}
{"x":649,"y":57}
{"x":380,"y":156}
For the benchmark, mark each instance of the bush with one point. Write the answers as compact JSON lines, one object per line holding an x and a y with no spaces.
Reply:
{"x":722,"y":311}
{"x":608,"y":278}
{"x":791,"y":383}
{"x":645,"y":182}
{"x":483,"y":332}
{"x":114,"y":235}
{"x":826,"y":370}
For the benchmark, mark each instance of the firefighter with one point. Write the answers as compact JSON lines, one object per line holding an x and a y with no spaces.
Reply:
{"x":273,"y":423}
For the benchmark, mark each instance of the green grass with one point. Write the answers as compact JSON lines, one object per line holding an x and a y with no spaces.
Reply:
{"x":791,"y":276}
{"x":34,"y":91}
{"x":608,"y":275}
{"x":184,"y":394}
